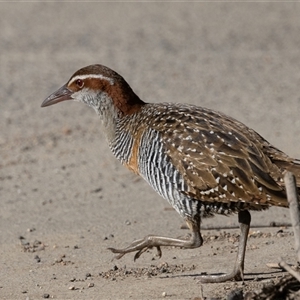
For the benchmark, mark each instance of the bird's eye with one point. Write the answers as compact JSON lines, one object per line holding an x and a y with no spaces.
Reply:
{"x":79,"y":83}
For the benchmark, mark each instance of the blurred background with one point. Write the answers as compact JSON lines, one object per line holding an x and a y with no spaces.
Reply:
{"x":242,"y":59}
{"x":57,"y":176}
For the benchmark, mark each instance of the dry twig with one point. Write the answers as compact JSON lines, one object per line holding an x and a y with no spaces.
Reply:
{"x":292,"y":195}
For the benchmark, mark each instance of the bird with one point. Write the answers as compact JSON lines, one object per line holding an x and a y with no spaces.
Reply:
{"x":203,"y":162}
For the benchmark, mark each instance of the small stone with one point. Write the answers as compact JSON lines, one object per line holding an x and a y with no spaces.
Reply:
{"x":107,"y":237}
{"x":72,"y":279}
{"x":91,"y":285}
{"x":127,"y":222}
{"x":115,"y":268}
{"x":72,"y":287}
{"x":97,"y":190}
{"x":164,"y":294}
{"x":88,"y":275}
{"x":46,"y":296}
{"x":36,"y":243}
{"x":37,"y":258}
{"x":66,"y":130}
{"x":60,"y":259}
{"x":273,"y":265}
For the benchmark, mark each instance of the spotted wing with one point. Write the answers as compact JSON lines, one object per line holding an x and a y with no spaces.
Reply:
{"x":220,"y":159}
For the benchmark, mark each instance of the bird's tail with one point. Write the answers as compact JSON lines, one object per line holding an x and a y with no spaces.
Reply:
{"x":292,"y":166}
{"x":284,"y":162}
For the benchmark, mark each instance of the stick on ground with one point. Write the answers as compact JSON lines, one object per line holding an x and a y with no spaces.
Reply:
{"x":292,"y":195}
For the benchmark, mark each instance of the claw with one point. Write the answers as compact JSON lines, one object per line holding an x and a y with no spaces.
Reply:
{"x":122,"y":252}
{"x":140,"y":252}
{"x":159,"y":253}
{"x":119,"y":255}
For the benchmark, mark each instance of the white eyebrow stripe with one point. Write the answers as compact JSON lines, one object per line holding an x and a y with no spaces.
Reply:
{"x":99,"y":76}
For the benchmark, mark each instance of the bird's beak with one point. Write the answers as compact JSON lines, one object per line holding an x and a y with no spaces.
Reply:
{"x":60,"y":95}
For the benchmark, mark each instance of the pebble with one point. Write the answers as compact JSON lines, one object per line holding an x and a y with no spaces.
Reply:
{"x":164,"y":294}
{"x":66,"y":130}
{"x":110,"y":236}
{"x":91,"y":284}
{"x":115,"y":268}
{"x":72,"y":287}
{"x":37,"y":258}
{"x":97,"y":190}
{"x":273,"y":265}
{"x":46,"y":296}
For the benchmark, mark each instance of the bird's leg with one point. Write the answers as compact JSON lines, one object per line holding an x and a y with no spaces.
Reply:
{"x":151,"y":241}
{"x":238,"y":270}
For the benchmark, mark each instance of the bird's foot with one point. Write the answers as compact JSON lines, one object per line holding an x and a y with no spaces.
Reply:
{"x":142,"y":245}
{"x":238,"y":270}
{"x":236,"y":275}
{"x":122,"y":252}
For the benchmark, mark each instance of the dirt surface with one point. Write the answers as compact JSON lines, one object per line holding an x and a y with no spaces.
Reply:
{"x":64,"y":197}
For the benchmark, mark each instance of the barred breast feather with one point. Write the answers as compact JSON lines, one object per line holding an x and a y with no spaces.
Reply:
{"x":187,"y":153}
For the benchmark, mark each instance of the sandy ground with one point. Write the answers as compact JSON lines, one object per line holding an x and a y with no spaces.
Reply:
{"x":64,"y":197}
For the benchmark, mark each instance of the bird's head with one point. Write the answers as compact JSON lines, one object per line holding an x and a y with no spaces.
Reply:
{"x":99,"y":87}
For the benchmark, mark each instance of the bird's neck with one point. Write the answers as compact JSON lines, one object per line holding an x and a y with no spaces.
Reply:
{"x":116,"y":112}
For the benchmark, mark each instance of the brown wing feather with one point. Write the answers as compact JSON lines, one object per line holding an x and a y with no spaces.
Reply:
{"x":221,"y":159}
